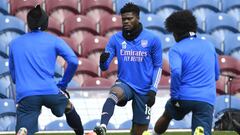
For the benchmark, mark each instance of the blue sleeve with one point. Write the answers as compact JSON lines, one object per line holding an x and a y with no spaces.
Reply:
{"x":175,"y":62}
{"x":157,"y":63}
{"x":11,"y":65}
{"x":110,"y":48}
{"x":72,"y":62}
{"x":217,"y":69}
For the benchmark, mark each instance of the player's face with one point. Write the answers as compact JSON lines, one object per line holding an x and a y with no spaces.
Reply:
{"x":129,"y":21}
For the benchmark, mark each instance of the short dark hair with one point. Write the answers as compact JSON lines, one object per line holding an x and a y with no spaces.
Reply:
{"x":130,"y":7}
{"x":181,"y":22}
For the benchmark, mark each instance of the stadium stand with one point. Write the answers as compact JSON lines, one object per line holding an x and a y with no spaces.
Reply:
{"x":108,"y":25}
{"x":93,"y":46}
{"x":96,"y":8}
{"x":97,"y":83}
{"x":74,"y":45}
{"x":218,"y":21}
{"x":4,"y":7}
{"x":57,"y":125}
{"x":126,"y":125}
{"x":143,"y":5}
{"x":182,"y":124}
{"x":153,"y":22}
{"x":7,"y":115}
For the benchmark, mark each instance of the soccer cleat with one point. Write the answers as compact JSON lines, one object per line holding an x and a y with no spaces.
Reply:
{"x":146,"y":133}
{"x":199,"y":131}
{"x":100,"y":130}
{"x":22,"y":131}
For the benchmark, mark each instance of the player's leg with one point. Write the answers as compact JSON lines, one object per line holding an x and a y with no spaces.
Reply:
{"x":60,"y":104}
{"x":202,"y":118}
{"x":141,"y":114}
{"x":118,"y":95}
{"x":173,"y":110}
{"x":162,"y":124}
{"x":28,"y":110}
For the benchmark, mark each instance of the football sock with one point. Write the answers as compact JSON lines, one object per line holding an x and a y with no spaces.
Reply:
{"x":74,"y":121}
{"x":108,"y":108}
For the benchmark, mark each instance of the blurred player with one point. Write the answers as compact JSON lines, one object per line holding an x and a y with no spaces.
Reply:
{"x":194,"y":70}
{"x":32,"y":60}
{"x":139,"y":56}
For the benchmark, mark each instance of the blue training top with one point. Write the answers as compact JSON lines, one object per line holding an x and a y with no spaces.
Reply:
{"x":194,"y":70}
{"x":32,"y":58}
{"x":139,"y":61}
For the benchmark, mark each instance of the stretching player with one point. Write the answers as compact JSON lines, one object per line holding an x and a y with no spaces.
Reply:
{"x":194,"y":70}
{"x":139,"y":56}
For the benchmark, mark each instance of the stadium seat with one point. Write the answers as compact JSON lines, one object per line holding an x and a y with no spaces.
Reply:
{"x":4,"y":7}
{"x":97,"y":82}
{"x":5,"y":88}
{"x":228,"y":5}
{"x":232,"y":43}
{"x":221,"y":21}
{"x":54,"y":26}
{"x":11,"y":23}
{"x":7,"y":115}
{"x":126,"y":125}
{"x":85,"y":66}
{"x":79,"y":23}
{"x":71,"y":5}
{"x":164,"y":82}
{"x":57,"y":125}
{"x":112,"y":71}
{"x":4,"y":69}
{"x":167,"y":42}
{"x":153,"y":22}
{"x":93,"y":46}
{"x":96,"y":8}
{"x":220,"y":86}
{"x":217,"y":44}
{"x":229,"y":66}
{"x":166,"y":7}
{"x":61,"y":9}
{"x":8,"y":107}
{"x":108,"y":25}
{"x":235,"y":86}
{"x":168,"y":4}
{"x":223,"y":103}
{"x":90,"y":125}
{"x":73,"y":44}
{"x":143,"y":5}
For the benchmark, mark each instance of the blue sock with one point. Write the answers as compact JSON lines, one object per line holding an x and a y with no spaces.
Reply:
{"x":108,"y":109}
{"x":74,"y":121}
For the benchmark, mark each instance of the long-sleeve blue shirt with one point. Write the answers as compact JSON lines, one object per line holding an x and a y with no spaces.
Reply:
{"x":139,"y":61}
{"x":194,"y":70}
{"x":32,"y":59}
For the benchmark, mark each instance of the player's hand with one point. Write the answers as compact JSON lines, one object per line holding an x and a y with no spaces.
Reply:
{"x":151,"y":98}
{"x":104,"y":56}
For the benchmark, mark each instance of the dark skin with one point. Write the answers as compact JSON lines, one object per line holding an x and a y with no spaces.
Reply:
{"x":130,"y":21}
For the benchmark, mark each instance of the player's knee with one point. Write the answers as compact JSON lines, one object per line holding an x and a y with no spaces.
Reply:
{"x":68,"y":107}
{"x":117,"y":91}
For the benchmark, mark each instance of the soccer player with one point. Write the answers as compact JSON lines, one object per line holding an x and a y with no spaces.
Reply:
{"x":194,"y":69}
{"x":32,"y":58}
{"x":139,"y":56}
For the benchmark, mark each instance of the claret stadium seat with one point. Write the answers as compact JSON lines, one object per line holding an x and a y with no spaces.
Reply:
{"x":109,"y":24}
{"x":143,"y":5}
{"x":229,"y":66}
{"x":96,"y":8}
{"x":54,"y":26}
{"x":85,"y":66}
{"x":93,"y":46}
{"x":97,"y":82}
{"x":74,"y":45}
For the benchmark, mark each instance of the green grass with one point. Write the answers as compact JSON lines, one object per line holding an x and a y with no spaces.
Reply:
{"x":167,"y":133}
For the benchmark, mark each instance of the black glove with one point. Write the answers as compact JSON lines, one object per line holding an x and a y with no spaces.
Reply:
{"x":151,"y":98}
{"x":104,"y":56}
{"x":175,"y":103}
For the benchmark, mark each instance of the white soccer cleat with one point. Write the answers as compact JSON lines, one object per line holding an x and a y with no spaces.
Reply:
{"x":22,"y":131}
